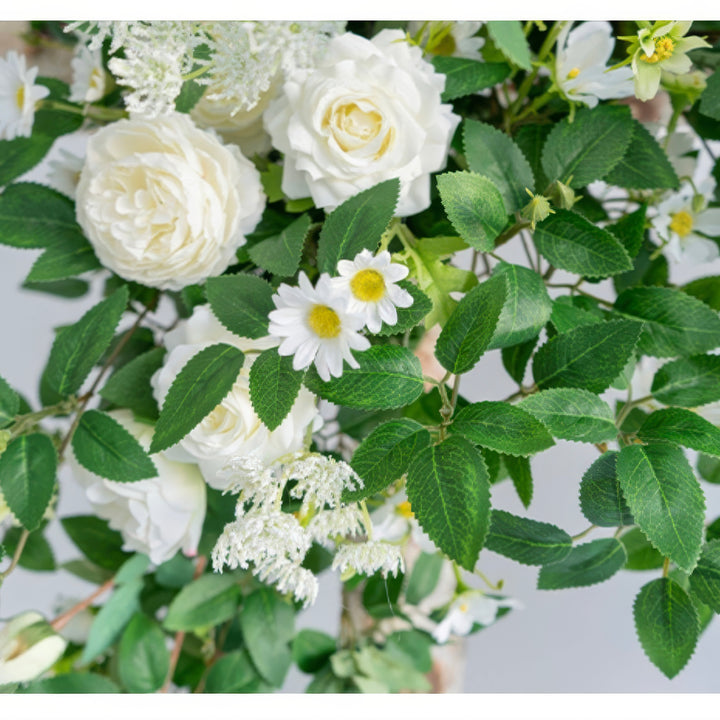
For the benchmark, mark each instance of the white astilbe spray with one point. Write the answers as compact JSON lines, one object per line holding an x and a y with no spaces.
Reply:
{"x":320,"y":479}
{"x":339,"y":522}
{"x":368,"y":558}
{"x":251,"y":479}
{"x":289,"y":577}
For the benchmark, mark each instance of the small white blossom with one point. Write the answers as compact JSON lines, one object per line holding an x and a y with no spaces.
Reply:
{"x":341,"y":521}
{"x":320,"y":479}
{"x":18,"y":96}
{"x":64,"y":172}
{"x":88,"y":82}
{"x":467,"y":609}
{"x":368,"y":558}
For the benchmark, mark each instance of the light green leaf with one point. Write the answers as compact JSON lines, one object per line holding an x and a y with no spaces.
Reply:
{"x":86,"y":570}
{"x":411,"y":646}
{"x":312,"y":649}
{"x":527,"y":541}
{"x":474,"y":206}
{"x":448,"y":489}
{"x":96,"y":540}
{"x":234,"y":673}
{"x":688,"y":382}
{"x":280,"y":254}
{"x":521,"y":475}
{"x":682,"y":427}
{"x":586,"y":564}
{"x":641,"y":555}
{"x":665,"y":499}
{"x":132,"y":569}
{"x":357,"y":224}
{"x":143,"y":659}
{"x":274,"y":386}
{"x":705,"y":579}
{"x":129,"y":387}
{"x":198,"y":389}
{"x":510,"y":40}
{"x":205,"y":602}
{"x":667,"y":625}
{"x":241,"y":303}
{"x":709,"y":469}
{"x":9,"y":403}
{"x":409,"y":317}
{"x":572,"y":414}
{"x":424,"y":577}
{"x":601,"y":498}
{"x":76,"y":683}
{"x":176,"y":572}
{"x":466,"y":77}
{"x":502,"y":427}
{"x":395,"y":672}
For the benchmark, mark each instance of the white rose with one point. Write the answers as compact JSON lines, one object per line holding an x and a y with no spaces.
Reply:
{"x":164,"y":203}
{"x":157,"y":516}
{"x":233,"y":428}
{"x":369,"y":112}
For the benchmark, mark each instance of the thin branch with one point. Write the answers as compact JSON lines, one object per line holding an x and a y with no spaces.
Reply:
{"x":62,"y":620}
{"x":16,"y":555}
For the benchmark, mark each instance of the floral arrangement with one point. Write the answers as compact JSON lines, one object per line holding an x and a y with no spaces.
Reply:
{"x":300,"y":228}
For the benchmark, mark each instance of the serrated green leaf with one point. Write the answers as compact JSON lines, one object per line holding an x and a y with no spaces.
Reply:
{"x":666,"y":623}
{"x":274,"y":386}
{"x":567,"y":316}
{"x":312,"y":649}
{"x":78,"y":347}
{"x":526,"y":309}
{"x":9,"y":403}
{"x":710,"y":100}
{"x":20,"y":155}
{"x":641,"y":555}
{"x":96,"y":540}
{"x":526,"y":541}
{"x":492,"y":153}
{"x":516,"y":357}
{"x":198,"y":389}
{"x":586,"y":564}
{"x":424,"y":577}
{"x":27,"y":477}
{"x":143,"y":659}
{"x":129,"y":387}
{"x":384,"y":456}
{"x":502,"y":427}
{"x":448,"y":489}
{"x":601,"y":498}
{"x":66,"y":258}
{"x":466,"y":77}
{"x":572,"y":414}
{"x":241,"y":303}
{"x":531,"y":140}
{"x":709,"y":469}
{"x":706,"y":289}
{"x":630,"y":230}
{"x":705,"y":579}
{"x":233,"y":672}
{"x":389,"y":376}
{"x":357,"y":224}
{"x":104,"y":447}
{"x":510,"y":40}
{"x":268,"y":624}
{"x":570,"y":242}
{"x":674,"y":323}
{"x":588,"y":148}
{"x":665,"y":499}
{"x":281,"y":253}
{"x":409,"y":317}
{"x":470,"y":328}
{"x":682,"y":427}
{"x":72,"y":683}
{"x":589,"y":357}
{"x":521,"y":475}
{"x":207,"y":601}
{"x":474,"y":206}
{"x":688,"y":382}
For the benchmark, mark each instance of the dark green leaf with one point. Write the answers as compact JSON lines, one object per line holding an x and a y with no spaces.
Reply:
{"x":424,"y":577}
{"x":37,"y":555}
{"x":641,"y":555}
{"x":75,"y":683}
{"x":630,"y":230}
{"x":409,"y":317}
{"x":143,"y":659}
{"x":71,"y":288}
{"x":705,"y":579}
{"x":207,"y":601}
{"x":531,"y":139}
{"x":466,"y":77}
{"x":96,"y":540}
{"x":706,"y":289}
{"x":21,"y":154}
{"x":312,"y":649}
{"x":129,"y":387}
{"x":601,"y":499}
{"x":688,"y":382}
{"x":682,"y":427}
{"x":9,"y":403}
{"x":521,"y":475}
{"x":587,"y":564}
{"x":233,"y":673}
{"x":65,"y":259}
{"x":509,"y":38}
{"x":87,"y":571}
{"x":380,"y":595}
{"x":710,"y":101}
{"x":709,"y":469}
{"x":280,"y":254}
{"x":566,"y":315}
{"x":274,"y":386}
{"x":241,"y":303}
{"x":189,"y":96}
{"x":516,"y":358}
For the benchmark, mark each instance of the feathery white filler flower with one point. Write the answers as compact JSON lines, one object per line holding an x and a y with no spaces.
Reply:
{"x":18,"y":96}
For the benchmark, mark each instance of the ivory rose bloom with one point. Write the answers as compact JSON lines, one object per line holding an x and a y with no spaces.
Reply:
{"x":157,"y":516}
{"x":233,"y":428}
{"x":369,"y":112}
{"x":164,"y":203}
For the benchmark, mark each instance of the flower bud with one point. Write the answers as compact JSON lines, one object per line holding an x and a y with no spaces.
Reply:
{"x":690,"y":85}
{"x":698,"y":203}
{"x":537,"y":209}
{"x":562,"y":195}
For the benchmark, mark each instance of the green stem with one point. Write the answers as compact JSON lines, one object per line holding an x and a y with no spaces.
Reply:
{"x":581,"y":535}
{"x":493,"y":586}
{"x":666,"y":567}
{"x":511,"y":232}
{"x":16,"y":555}
{"x":367,"y":522}
{"x":29,"y":420}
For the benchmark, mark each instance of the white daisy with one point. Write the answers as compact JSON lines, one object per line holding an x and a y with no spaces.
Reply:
{"x":467,"y":609}
{"x":368,"y":282}
{"x":316,"y":327}
{"x":18,"y":96}
{"x":89,"y":78}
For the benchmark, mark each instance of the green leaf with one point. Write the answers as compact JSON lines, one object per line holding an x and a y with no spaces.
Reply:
{"x":531,"y":140}
{"x":588,"y":148}
{"x":198,"y":389}
{"x":205,"y":602}
{"x":666,"y":623}
{"x":9,"y":403}
{"x":601,"y":498}
{"x":65,"y":259}
{"x":130,"y":387}
{"x":665,"y":499}
{"x":268,"y":625}
{"x":674,"y":323}
{"x":688,"y":382}
{"x":521,"y":475}
{"x":311,"y":649}
{"x":37,"y":555}
{"x":630,"y":230}
{"x":357,"y":224}
{"x":710,"y":100}
{"x":104,"y":447}
{"x":527,"y":306}
{"x":448,"y":489}
{"x":114,"y":615}
{"x":527,"y":541}
{"x":97,"y":542}
{"x":474,"y":206}
{"x":470,"y":328}
{"x":641,"y":555}
{"x":589,"y":357}
{"x":705,"y":579}
{"x":384,"y":456}
{"x":502,"y":427}
{"x":20,"y":155}
{"x":466,"y":77}
{"x":570,"y":242}
{"x":75,"y":683}
{"x":644,"y":166}
{"x":586,"y":564}
{"x":176,"y":572}
{"x":709,"y":469}
{"x":143,"y":659}
{"x":409,"y":317}
{"x":389,"y":376}
{"x":132,"y":569}
{"x":86,"y":570}
{"x":394,"y":672}
{"x":682,"y":427}
{"x":566,"y":315}
{"x":572,"y":414}
{"x":706,"y":289}
{"x":280,"y":254}
{"x":424,"y":577}
{"x":234,"y":672}
{"x":241,"y":303}
{"x":380,"y":595}
{"x":274,"y":386}
{"x":78,"y":347}
{"x":516,"y":357}
{"x":411,"y":646}
{"x":27,"y":477}
{"x":510,"y":40}
{"x":492,"y":153}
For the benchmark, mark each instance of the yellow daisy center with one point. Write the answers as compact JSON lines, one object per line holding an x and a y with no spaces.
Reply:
{"x":682,"y":223}
{"x":20,"y":97}
{"x":664,"y":47}
{"x":368,"y":285}
{"x":464,"y":608}
{"x":324,"y":321}
{"x":573,"y":73}
{"x":404,"y":509}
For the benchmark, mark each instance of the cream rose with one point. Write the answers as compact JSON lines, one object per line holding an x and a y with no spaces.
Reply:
{"x":233,"y":428}
{"x":157,"y":516}
{"x":369,"y":112}
{"x":164,"y":203}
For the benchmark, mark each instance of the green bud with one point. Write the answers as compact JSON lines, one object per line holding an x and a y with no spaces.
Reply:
{"x":537,"y":209}
{"x":698,"y":203}
{"x":689,"y":86}
{"x":562,"y":195}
